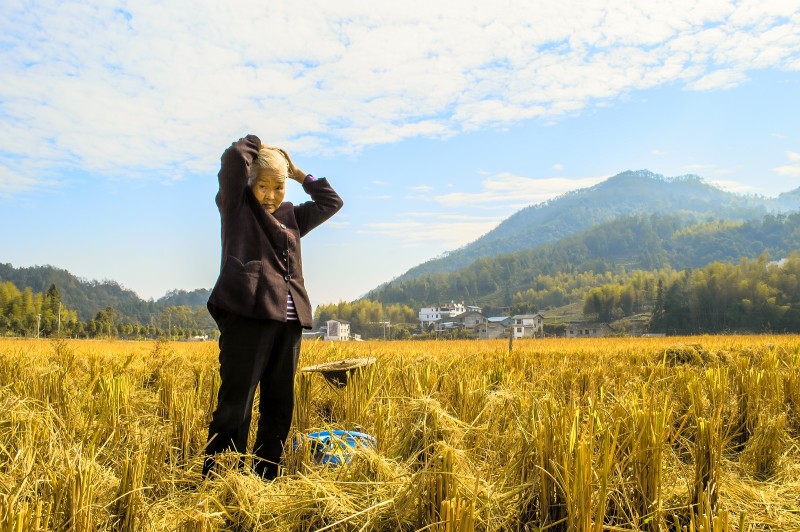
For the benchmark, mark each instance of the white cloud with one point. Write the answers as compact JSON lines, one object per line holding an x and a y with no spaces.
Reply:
{"x":18,"y":179}
{"x":788,"y":170}
{"x":558,"y":167}
{"x":792,"y":169}
{"x":443,"y":230}
{"x":719,"y":79}
{"x":382,"y":197}
{"x":335,"y":223}
{"x":734,"y":186}
{"x":507,"y":190}
{"x":160,"y":89}
{"x":706,"y":169}
{"x":11,"y":182}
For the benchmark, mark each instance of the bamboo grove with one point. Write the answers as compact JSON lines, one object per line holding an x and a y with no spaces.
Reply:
{"x":754,"y":295}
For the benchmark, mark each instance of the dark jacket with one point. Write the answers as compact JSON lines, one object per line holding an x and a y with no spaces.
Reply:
{"x":261,"y":260}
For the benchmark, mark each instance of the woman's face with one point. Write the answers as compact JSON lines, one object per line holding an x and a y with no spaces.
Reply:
{"x":269,"y":190}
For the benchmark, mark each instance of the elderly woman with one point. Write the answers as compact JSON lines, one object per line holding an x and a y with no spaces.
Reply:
{"x":259,"y":301}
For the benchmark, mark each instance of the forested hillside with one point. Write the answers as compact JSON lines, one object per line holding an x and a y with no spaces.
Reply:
{"x":633,"y":192}
{"x":558,"y":273}
{"x":175,"y":298}
{"x":31,"y":299}
{"x":87,"y":298}
{"x":24,"y":312}
{"x":753,"y":295}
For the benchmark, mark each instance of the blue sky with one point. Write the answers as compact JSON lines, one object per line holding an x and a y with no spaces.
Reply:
{"x":433,"y":120}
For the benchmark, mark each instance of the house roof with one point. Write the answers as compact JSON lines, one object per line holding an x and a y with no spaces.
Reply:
{"x":587,"y":325}
{"x":457,"y":317}
{"x":464,"y":314}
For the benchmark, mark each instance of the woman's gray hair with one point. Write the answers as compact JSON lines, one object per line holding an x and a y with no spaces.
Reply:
{"x":270,"y":160}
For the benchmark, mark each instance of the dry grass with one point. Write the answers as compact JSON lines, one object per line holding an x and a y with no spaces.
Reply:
{"x":580,"y":435}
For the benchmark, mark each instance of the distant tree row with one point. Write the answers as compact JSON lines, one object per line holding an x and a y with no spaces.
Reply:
{"x":753,"y":295}
{"x":549,"y":291}
{"x":87,"y":298}
{"x":371,"y":319}
{"x":28,"y":313}
{"x":36,"y":314}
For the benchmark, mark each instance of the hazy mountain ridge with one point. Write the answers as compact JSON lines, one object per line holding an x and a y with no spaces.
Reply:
{"x":625,"y":194}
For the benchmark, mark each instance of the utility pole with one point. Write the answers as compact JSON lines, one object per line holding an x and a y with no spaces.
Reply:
{"x":38,"y":321}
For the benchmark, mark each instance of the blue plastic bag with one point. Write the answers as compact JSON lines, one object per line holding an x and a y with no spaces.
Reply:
{"x":336,"y":447}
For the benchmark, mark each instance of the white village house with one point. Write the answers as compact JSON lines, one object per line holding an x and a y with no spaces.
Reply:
{"x":337,"y":330}
{"x":495,"y":327}
{"x":460,"y":316}
{"x":471,"y":319}
{"x":428,"y":315}
{"x":588,"y":330}
{"x":528,"y":325}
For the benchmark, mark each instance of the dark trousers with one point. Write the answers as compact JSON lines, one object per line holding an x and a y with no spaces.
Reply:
{"x":252,"y":353}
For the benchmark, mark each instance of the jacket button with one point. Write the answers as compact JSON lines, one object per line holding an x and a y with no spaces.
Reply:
{"x":283,"y":226}
{"x":286,"y":277}
{"x":285,"y":253}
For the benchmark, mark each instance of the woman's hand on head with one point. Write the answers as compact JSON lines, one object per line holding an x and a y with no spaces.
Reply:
{"x":294,"y":172}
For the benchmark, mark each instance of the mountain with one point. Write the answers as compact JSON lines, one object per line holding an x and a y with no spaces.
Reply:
{"x":625,"y":194}
{"x":177,"y":298}
{"x":89,"y":297}
{"x":639,"y":241}
{"x":788,"y":200}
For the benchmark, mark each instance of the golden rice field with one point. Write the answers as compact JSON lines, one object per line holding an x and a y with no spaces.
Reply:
{"x":648,"y":434}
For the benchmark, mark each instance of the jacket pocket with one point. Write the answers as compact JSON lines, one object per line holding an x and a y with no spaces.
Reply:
{"x":238,"y":284}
